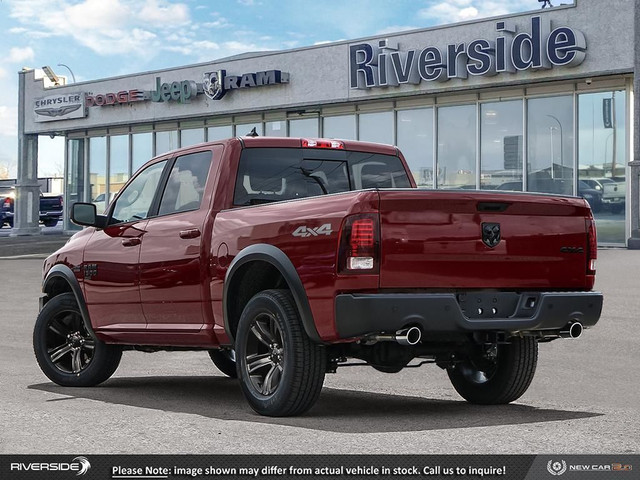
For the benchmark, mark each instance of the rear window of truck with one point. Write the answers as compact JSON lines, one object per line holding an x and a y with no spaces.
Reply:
{"x":276,"y":174}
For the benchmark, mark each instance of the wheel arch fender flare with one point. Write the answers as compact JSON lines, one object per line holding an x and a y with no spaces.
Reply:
{"x":64,"y":273}
{"x":278,"y":259}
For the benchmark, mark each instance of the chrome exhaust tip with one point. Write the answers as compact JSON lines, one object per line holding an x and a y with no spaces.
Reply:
{"x":408,"y":337}
{"x":572,"y":330}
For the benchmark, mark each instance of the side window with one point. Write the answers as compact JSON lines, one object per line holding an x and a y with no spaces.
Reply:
{"x":185,"y":187}
{"x":135,"y":201}
{"x":379,"y":171}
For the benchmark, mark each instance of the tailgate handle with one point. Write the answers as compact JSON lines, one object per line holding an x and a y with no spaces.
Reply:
{"x":492,"y":206}
{"x":192,"y":233}
{"x":131,"y":242}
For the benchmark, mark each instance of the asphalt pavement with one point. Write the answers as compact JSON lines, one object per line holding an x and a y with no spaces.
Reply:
{"x":584,"y":397}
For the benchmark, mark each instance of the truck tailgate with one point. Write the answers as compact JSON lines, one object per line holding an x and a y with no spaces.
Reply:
{"x":434,"y":239}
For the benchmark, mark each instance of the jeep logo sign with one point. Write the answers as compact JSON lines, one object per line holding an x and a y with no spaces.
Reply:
{"x":383,"y":64}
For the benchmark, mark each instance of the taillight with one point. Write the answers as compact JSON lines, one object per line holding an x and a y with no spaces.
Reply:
{"x":592,"y":246}
{"x":7,"y":203}
{"x":322,"y":143}
{"x":359,"y":244}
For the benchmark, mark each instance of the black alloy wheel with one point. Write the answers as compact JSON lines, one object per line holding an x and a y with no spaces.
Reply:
{"x":66,"y":352}
{"x":281,"y":370}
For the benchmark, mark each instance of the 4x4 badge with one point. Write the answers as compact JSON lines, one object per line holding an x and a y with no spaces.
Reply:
{"x":491,"y":234}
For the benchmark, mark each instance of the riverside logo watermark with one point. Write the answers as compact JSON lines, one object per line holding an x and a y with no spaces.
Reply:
{"x":560,"y":467}
{"x":79,"y":465}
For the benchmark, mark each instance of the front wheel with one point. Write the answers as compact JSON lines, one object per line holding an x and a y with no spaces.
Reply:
{"x":65,"y":350}
{"x":500,"y":376}
{"x":281,"y":370}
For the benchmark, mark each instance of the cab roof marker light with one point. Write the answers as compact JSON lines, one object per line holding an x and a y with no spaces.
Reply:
{"x":321,"y":143}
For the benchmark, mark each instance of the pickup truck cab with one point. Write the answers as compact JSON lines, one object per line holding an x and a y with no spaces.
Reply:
{"x":286,"y":258}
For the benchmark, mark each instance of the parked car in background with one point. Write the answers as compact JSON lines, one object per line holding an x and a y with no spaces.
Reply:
{"x":50,"y":207}
{"x":7,"y":195}
{"x":99,"y":201}
{"x":560,"y":187}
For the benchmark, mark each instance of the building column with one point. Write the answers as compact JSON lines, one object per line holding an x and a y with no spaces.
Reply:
{"x":634,"y":181}
{"x":27,"y":204}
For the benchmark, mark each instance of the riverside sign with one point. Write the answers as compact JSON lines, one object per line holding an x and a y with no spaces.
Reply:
{"x":382,"y":64}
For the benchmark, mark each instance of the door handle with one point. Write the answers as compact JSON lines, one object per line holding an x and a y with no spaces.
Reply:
{"x":131,"y":242}
{"x":192,"y":233}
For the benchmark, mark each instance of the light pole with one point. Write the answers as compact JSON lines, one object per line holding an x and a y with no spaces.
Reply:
{"x":606,"y":149}
{"x":72,"y":75}
{"x":551,"y":129}
{"x":561,"y":143}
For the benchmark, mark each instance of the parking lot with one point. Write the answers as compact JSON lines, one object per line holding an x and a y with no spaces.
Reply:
{"x":584,"y":398}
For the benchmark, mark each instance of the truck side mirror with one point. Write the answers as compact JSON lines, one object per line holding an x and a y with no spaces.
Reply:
{"x":85,"y":214}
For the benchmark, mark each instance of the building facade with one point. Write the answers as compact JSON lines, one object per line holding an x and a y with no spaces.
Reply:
{"x":539,"y":102}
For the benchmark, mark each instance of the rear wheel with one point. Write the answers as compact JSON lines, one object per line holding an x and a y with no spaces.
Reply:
{"x":281,"y":370}
{"x":50,"y":223}
{"x":225,"y":361}
{"x":500,"y":376}
{"x":65,"y":350}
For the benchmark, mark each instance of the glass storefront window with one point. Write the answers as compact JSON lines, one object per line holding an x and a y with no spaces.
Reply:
{"x":501,"y":133}
{"x":243,"y":129}
{"x":550,"y":145}
{"x":304,"y":127}
{"x":415,"y":140}
{"x":343,"y":127}
{"x":98,"y":172}
{"x":276,"y":129}
{"x":601,"y":161}
{"x":141,"y":144}
{"x":191,"y":136}
{"x":456,"y":147}
{"x":166,"y":141}
{"x":219,"y":133}
{"x":74,"y":188}
{"x":376,"y":127}
{"x":118,"y":164}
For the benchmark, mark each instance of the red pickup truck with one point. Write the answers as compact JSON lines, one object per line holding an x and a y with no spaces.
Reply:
{"x":286,"y":257}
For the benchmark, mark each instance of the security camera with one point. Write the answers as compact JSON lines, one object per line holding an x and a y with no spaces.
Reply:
{"x":588,"y":81}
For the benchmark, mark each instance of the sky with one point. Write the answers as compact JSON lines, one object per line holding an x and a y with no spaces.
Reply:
{"x":105,"y":38}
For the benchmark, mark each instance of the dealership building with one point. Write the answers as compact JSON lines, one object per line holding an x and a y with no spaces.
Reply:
{"x":540,"y":101}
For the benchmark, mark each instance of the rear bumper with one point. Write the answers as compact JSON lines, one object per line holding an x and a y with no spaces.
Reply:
{"x":359,"y":315}
{"x":50,"y":214}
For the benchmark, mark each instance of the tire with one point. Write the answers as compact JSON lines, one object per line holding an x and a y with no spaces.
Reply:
{"x":281,"y":371}
{"x":64,"y":349}
{"x":50,"y":223}
{"x":502,"y":381}
{"x":225,"y":361}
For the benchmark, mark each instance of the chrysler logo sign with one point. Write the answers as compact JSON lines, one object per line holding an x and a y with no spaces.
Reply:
{"x":59,"y":107}
{"x":383,"y":64}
